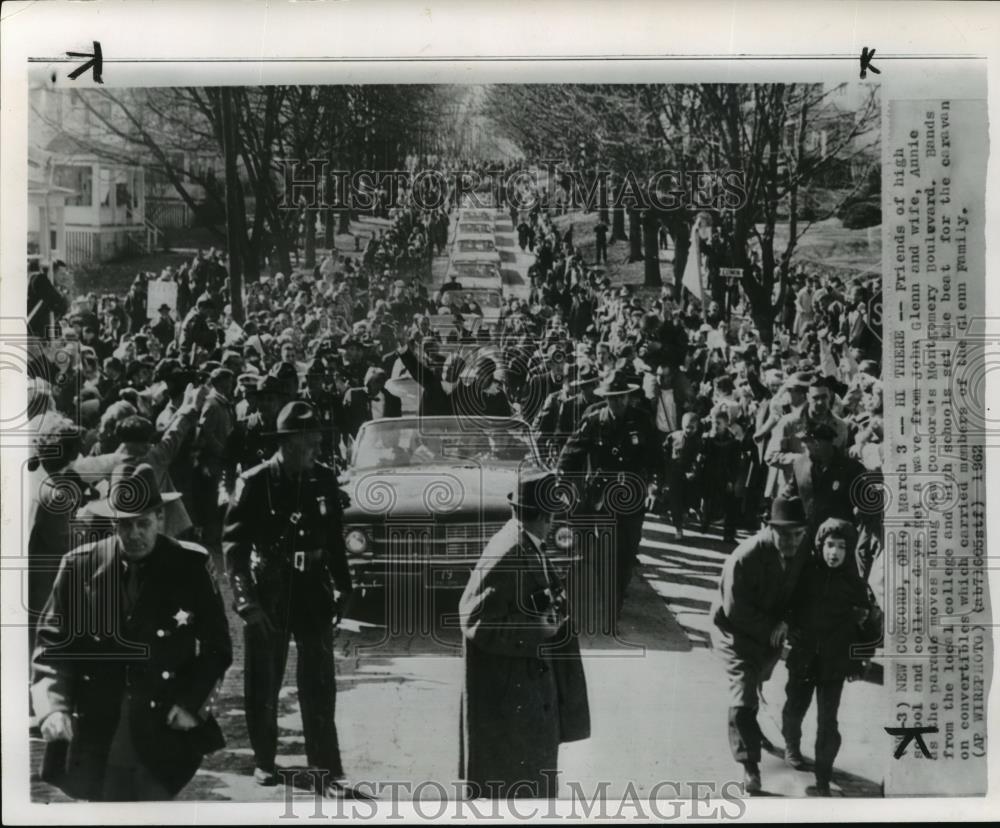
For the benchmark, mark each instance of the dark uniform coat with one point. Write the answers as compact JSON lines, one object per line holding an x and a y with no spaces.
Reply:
{"x":524,"y":693}
{"x":267,"y":523}
{"x":92,"y":662}
{"x":826,"y":493}
{"x":613,"y":456}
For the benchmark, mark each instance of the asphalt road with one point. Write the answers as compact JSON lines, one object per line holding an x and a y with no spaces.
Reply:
{"x":657,"y":696}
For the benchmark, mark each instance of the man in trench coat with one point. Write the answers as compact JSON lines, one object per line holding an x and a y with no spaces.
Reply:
{"x":525,"y":691}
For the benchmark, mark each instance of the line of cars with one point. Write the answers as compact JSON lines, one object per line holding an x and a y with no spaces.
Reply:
{"x":427,"y":493}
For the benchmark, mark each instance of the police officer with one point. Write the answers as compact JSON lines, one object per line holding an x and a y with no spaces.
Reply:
{"x":285,"y":556}
{"x":609,"y":460}
{"x":129,"y":651}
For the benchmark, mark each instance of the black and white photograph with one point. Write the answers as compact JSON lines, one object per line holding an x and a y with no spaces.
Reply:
{"x":609,"y":442}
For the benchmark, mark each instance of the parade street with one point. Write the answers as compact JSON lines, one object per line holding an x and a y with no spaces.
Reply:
{"x":657,"y":697}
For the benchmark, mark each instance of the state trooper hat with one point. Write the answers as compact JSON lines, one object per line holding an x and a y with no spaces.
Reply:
{"x":298,"y":417}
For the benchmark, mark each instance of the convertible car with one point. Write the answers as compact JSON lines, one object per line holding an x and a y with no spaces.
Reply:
{"x":427,"y":494}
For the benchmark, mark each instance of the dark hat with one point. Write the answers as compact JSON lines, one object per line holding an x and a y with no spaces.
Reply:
{"x":164,"y":307}
{"x":787,"y":511}
{"x":220,"y":374}
{"x":537,"y":491}
{"x":135,"y":367}
{"x":297,"y":417}
{"x":802,"y":380}
{"x":270,"y":385}
{"x":134,"y":491}
{"x":821,"y":381}
{"x":135,"y":429}
{"x":165,"y":368}
{"x":615,"y":384}
{"x":112,"y":362}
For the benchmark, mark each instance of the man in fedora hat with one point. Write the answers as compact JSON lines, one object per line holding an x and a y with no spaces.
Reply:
{"x":129,"y":651}
{"x":610,"y":460}
{"x":515,"y":622}
{"x":749,"y":628}
{"x":284,"y":547}
{"x":165,"y":330}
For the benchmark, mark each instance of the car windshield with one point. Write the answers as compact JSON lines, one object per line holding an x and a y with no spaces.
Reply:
{"x":483,"y":298}
{"x":478,"y":270}
{"x":475,"y":245}
{"x":475,"y":227}
{"x":408,"y":441}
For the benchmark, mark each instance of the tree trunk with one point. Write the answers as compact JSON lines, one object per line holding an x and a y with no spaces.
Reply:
{"x":603,"y":214}
{"x":235,"y":208}
{"x":634,"y":236}
{"x":310,"y":238}
{"x":283,"y":253}
{"x":651,"y":249}
{"x":682,"y":243}
{"x":617,"y":224}
{"x":764,"y":322}
{"x":329,"y":229}
{"x":345,"y":221}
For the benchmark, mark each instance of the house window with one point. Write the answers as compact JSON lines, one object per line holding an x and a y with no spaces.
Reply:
{"x":80,"y":179}
{"x":105,"y":187}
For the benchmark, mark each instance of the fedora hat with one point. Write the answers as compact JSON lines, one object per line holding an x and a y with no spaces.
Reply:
{"x":615,"y":384}
{"x":536,"y":491}
{"x":134,"y":491}
{"x":787,"y":511}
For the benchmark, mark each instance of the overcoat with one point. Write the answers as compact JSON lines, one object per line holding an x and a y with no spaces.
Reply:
{"x":173,"y":650}
{"x":525,"y":692}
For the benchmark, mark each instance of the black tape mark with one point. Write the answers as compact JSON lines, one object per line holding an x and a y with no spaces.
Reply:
{"x":866,"y":62}
{"x":96,"y":62}
{"x":911,"y":734}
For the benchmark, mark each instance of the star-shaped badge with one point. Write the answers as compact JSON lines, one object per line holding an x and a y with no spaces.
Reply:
{"x":182,"y":617}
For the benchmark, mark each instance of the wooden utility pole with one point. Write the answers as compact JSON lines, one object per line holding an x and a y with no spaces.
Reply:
{"x":234,"y":192}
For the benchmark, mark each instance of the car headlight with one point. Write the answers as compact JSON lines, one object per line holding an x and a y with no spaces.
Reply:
{"x":356,"y":542}
{"x":564,"y":537}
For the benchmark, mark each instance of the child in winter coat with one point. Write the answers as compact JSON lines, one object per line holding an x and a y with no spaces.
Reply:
{"x":829,"y":605}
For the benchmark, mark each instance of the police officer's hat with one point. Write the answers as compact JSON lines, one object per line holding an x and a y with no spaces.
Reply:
{"x":297,"y":417}
{"x":133,"y":492}
{"x":616,"y":384}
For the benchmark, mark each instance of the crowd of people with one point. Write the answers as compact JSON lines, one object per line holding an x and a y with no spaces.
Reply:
{"x":715,"y":429}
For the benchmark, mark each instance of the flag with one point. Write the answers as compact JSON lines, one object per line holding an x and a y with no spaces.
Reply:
{"x":692,"y":269}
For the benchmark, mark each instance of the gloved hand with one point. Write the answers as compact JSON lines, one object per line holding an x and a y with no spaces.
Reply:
{"x":256,"y":617}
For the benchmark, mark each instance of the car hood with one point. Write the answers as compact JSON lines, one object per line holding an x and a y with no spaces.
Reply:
{"x":442,"y":492}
